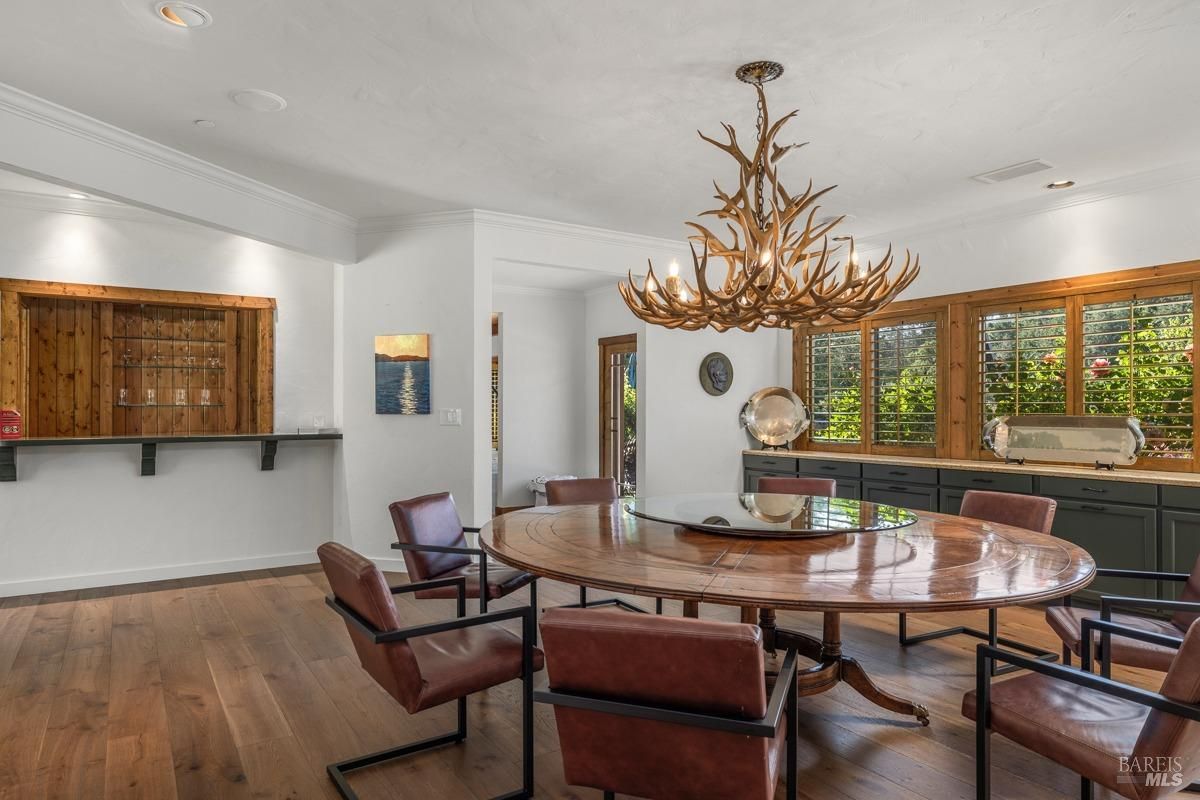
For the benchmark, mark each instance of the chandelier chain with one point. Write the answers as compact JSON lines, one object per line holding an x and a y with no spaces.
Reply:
{"x":760,"y":166}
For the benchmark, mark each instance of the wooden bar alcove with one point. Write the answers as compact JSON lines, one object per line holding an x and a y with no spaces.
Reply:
{"x":939,"y":563}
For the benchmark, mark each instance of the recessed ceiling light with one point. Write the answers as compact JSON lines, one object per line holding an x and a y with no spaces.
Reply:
{"x":183,"y":15}
{"x":77,"y":196}
{"x":844,"y":238}
{"x":204,"y":123}
{"x":258,"y":100}
{"x":1060,"y":185}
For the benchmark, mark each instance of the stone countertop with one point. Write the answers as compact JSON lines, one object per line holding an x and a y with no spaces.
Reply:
{"x":1126,"y":475}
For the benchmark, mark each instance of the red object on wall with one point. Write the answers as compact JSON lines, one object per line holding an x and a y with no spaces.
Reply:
{"x":10,"y":424}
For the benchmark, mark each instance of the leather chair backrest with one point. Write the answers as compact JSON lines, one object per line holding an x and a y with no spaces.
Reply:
{"x":429,"y":519}
{"x":1019,"y":510}
{"x":815,"y":487}
{"x":686,"y":664}
{"x":581,"y":490}
{"x":1190,"y":594}
{"x":1166,"y":736}
{"x":358,"y":583}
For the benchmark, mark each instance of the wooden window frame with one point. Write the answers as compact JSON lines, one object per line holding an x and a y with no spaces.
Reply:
{"x":803,"y":388}
{"x":958,"y":353}
{"x":256,"y":318}
{"x":604,"y":345}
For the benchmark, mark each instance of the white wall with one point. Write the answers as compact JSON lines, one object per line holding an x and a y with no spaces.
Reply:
{"x":82,"y":516}
{"x":1118,"y":230}
{"x":693,"y":441}
{"x":542,"y":387}
{"x":418,"y":280}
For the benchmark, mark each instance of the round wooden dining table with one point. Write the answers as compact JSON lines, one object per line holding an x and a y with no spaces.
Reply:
{"x":934,"y":562}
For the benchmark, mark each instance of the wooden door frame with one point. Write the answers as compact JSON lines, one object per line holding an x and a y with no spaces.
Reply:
{"x":605,"y":346}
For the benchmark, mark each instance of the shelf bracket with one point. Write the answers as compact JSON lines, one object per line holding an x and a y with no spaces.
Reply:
{"x":8,"y":464}
{"x":269,"y":446}
{"x":149,"y":454}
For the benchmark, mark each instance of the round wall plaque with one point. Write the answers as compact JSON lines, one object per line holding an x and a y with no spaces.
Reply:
{"x":716,"y":374}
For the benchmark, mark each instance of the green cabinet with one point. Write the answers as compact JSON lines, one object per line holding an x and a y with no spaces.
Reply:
{"x":1180,"y":547}
{"x":950,"y":499}
{"x":918,"y":498}
{"x":1118,"y":537}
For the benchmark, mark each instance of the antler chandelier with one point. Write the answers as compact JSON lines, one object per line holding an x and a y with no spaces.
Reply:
{"x":779,"y":266}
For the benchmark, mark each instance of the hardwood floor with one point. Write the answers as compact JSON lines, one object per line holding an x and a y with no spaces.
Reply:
{"x":246,"y":686}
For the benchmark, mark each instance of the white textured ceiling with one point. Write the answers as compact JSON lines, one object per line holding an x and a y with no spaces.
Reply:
{"x":587,"y":112}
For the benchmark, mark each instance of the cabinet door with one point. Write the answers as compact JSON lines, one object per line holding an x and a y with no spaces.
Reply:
{"x":1180,"y":547}
{"x":918,"y":498}
{"x":950,"y":500}
{"x":851,"y":490}
{"x":1118,"y":537}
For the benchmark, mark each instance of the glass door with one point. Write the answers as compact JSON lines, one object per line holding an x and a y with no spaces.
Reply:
{"x":618,"y":411}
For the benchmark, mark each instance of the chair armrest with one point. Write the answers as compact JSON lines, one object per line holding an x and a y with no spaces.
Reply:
{"x":767,"y":726}
{"x":459,"y":581}
{"x":986,"y":655}
{"x":1109,"y":602}
{"x":437,"y":548}
{"x":1107,"y":630}
{"x":1136,"y":573}
{"x":524,"y":613}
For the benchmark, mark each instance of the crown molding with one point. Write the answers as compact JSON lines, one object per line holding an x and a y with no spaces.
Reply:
{"x":1113,"y":188}
{"x":411,"y":222}
{"x":48,"y":141}
{"x":15,"y":101}
{"x":91,"y":207}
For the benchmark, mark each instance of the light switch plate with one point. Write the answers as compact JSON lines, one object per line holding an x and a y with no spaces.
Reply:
{"x":450,"y":416}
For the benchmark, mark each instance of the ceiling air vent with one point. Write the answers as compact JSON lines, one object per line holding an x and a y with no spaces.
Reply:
{"x":1012,"y":171}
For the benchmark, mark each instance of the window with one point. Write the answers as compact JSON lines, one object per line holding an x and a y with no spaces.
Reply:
{"x":1137,"y":361}
{"x":904,"y":383}
{"x":834,"y":394}
{"x":1022,"y":362}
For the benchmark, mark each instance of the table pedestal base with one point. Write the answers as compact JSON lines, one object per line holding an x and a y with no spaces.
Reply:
{"x":832,"y":667}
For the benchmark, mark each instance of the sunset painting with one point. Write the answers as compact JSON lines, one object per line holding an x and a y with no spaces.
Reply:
{"x":402,"y":374}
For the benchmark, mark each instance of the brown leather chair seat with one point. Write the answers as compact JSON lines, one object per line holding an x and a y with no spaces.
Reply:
{"x":502,"y":581}
{"x":462,"y":662}
{"x":1086,"y":731}
{"x":1066,"y":622}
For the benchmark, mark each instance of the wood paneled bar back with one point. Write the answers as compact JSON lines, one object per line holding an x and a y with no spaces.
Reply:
{"x":80,"y":360}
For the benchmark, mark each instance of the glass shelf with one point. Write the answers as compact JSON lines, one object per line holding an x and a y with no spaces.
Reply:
{"x":169,"y":405}
{"x":167,"y":339}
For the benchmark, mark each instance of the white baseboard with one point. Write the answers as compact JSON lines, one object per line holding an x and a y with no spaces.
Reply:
{"x":121,"y":577}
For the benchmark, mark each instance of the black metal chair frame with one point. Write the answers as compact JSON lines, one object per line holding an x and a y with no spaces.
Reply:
{"x":612,"y":601}
{"x":1134,"y":603}
{"x":991,"y":636}
{"x":468,"y":551}
{"x":987,"y":655}
{"x":337,"y":772}
{"x":783,"y":699}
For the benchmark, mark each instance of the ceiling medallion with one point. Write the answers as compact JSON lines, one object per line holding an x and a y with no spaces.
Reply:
{"x":780,"y":270}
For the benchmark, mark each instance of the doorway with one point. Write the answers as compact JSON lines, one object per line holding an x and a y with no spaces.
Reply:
{"x":618,"y":411}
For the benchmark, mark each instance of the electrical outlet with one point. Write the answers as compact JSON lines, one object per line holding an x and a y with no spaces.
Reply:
{"x":450,"y":416}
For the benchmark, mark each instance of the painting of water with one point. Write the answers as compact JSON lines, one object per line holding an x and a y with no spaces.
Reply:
{"x":402,"y":374}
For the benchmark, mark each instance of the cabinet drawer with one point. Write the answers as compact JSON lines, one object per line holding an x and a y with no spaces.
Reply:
{"x":1118,"y":537}
{"x":829,"y":469}
{"x":888,"y":472}
{"x":776,"y":465}
{"x":1181,"y":497}
{"x":1144,"y":494}
{"x":918,"y":498}
{"x":990,"y":481}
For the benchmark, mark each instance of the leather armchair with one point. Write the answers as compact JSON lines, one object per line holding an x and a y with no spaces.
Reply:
{"x":433,"y":539}
{"x":428,"y":665}
{"x":1030,"y":512}
{"x":1141,"y":745}
{"x":1067,"y":620}
{"x":668,"y":708}
{"x":817,"y":487}
{"x":582,"y":491}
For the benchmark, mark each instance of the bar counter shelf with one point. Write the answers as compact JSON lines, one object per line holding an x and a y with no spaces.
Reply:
{"x":149,"y":444}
